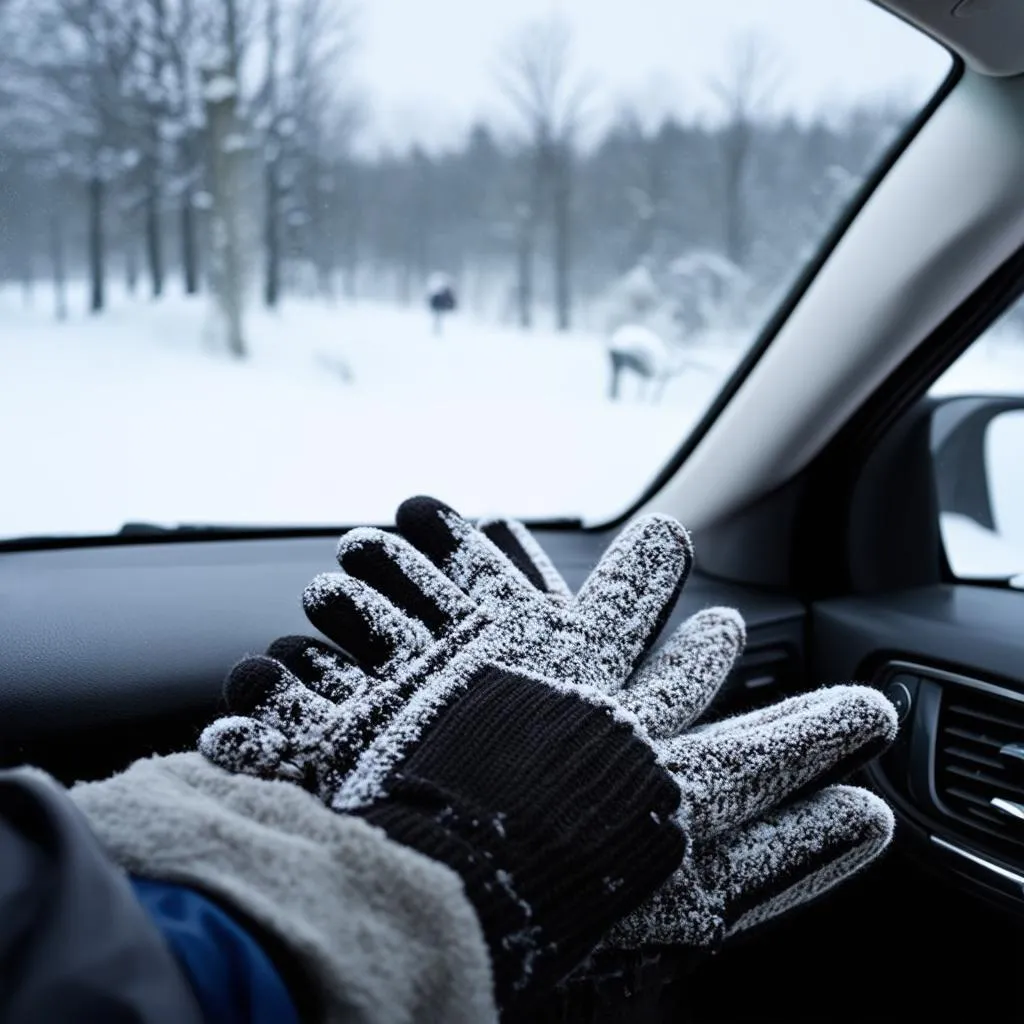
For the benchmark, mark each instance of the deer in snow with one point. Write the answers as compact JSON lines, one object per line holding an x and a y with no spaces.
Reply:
{"x":640,"y":351}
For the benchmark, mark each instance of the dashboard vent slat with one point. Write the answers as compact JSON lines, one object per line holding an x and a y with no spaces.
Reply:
{"x":986,"y":779}
{"x":983,"y":716}
{"x":975,"y":758}
{"x":973,"y":737}
{"x":972,"y":768}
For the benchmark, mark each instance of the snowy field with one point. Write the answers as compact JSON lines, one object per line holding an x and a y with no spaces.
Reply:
{"x":344,"y":410}
{"x":340,"y":413}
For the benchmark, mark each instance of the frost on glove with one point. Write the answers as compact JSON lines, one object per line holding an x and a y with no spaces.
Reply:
{"x":492,"y":750}
{"x":552,"y":810}
{"x":770,"y":830}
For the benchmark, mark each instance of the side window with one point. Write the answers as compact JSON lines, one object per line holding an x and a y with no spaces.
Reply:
{"x":978,"y":445}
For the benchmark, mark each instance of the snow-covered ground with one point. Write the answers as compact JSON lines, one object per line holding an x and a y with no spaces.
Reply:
{"x":344,"y":410}
{"x":341,"y":412}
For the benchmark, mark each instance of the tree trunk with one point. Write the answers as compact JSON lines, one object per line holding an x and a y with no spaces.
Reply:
{"x":325,"y":278}
{"x":189,"y":260}
{"x":26,"y":257}
{"x":227,"y":267}
{"x":351,"y":264}
{"x":351,"y":199}
{"x":154,"y":248}
{"x":737,"y":146}
{"x":324,"y":237}
{"x":131,"y":267}
{"x":57,"y":264}
{"x":154,"y":232}
{"x":405,"y":283}
{"x":272,"y":236}
{"x":524,"y":278}
{"x":524,"y":272}
{"x":562,"y":223}
{"x":27,"y":279}
{"x":96,"y":245}
{"x":272,"y":154}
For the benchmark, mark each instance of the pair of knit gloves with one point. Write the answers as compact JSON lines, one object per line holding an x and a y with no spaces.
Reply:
{"x":527,"y":739}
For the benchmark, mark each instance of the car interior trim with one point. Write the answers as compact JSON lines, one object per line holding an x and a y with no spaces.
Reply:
{"x":1010,"y":876}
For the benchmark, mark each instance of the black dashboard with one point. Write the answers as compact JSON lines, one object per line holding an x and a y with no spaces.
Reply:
{"x":111,"y":652}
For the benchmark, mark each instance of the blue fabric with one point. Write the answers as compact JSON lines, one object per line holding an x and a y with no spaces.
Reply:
{"x":233,"y":978}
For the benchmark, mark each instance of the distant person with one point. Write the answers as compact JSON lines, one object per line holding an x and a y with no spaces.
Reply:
{"x":441,"y":298}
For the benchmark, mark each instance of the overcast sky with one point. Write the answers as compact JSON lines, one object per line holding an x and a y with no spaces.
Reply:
{"x":428,"y":66}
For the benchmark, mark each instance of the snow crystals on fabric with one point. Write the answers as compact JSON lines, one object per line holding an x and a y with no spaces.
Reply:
{"x":732,"y":775}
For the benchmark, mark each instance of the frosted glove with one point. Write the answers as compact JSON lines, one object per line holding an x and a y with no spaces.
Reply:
{"x":410,"y":633}
{"x":773,"y":835}
{"x":422,"y":639}
{"x":550,"y":807}
{"x":708,"y":898}
{"x":739,"y":878}
{"x":497,"y":755}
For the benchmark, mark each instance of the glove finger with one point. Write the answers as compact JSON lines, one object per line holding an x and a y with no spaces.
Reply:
{"x":459,"y":550}
{"x":264,"y":689}
{"x":324,"y":669}
{"x":323,"y":738}
{"x":245,"y":746}
{"x":795,"y":854}
{"x":675,"y":685}
{"x":762,"y":870}
{"x":772,"y":713}
{"x":731,"y":773}
{"x":516,"y":542}
{"x":630,"y":594}
{"x":405,"y":577}
{"x":379,"y":637}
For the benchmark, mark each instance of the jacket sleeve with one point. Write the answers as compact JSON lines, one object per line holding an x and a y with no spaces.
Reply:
{"x":75,"y":944}
{"x":362,"y":929}
{"x":231,"y":974}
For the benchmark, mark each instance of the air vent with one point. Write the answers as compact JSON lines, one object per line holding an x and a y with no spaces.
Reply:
{"x":979,"y":764}
{"x":762,"y":676}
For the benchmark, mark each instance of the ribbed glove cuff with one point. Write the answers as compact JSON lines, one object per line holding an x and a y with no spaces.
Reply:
{"x":553,"y":811}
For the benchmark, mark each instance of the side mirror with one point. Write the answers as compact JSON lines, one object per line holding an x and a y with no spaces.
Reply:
{"x":977,"y":446}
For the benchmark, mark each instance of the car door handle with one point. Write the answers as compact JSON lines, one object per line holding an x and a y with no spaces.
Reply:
{"x":1008,"y":807}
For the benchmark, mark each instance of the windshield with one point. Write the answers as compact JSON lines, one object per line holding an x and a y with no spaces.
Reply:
{"x":287,"y":262}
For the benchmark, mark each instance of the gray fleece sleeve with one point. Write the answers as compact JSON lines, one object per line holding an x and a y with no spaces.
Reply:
{"x":383,"y":934}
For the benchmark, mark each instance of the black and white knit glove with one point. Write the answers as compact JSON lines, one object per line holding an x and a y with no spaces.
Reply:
{"x":776,"y":834}
{"x":734,"y":879}
{"x":492,"y":751}
{"x":417,"y":642}
{"x":744,"y":867}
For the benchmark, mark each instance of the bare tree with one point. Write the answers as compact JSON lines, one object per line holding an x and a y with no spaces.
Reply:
{"x":68,"y":70}
{"x":308,"y":115}
{"x":272,"y":157}
{"x":151,"y":20}
{"x":226,"y":147}
{"x":189,"y":25}
{"x":744,"y":89}
{"x":537,"y":77}
{"x":645,"y":183}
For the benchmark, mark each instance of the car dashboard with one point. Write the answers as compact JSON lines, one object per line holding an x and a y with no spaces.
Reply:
{"x":112,"y":652}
